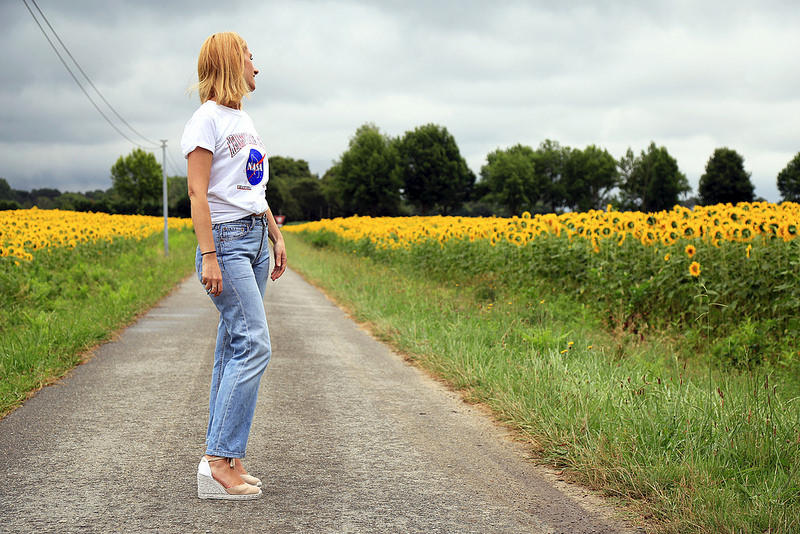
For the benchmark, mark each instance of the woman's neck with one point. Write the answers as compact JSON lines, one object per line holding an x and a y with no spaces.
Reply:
{"x":232,"y":105}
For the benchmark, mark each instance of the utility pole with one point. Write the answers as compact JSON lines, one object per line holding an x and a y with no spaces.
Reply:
{"x":164,"y":174}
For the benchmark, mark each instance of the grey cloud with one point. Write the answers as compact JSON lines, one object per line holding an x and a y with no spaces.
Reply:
{"x":690,"y":76}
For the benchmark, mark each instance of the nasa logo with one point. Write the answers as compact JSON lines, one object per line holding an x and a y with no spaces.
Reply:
{"x":254,"y":170}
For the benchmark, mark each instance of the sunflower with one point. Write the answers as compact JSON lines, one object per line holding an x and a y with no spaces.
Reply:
{"x":694,"y":269}
{"x":690,"y":250}
{"x":666,"y":257}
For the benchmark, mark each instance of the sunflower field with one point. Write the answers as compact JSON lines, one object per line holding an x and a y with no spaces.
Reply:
{"x":730,"y":270}
{"x":68,"y":279}
{"x":24,"y":231}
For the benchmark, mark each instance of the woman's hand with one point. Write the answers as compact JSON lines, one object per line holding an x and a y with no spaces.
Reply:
{"x":211,"y":275}
{"x":280,"y":260}
{"x":278,"y":246}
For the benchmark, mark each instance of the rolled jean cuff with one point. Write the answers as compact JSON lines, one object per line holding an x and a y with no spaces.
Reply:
{"x":225,"y":454}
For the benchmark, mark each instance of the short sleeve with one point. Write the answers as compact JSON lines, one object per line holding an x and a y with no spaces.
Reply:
{"x":200,"y":132}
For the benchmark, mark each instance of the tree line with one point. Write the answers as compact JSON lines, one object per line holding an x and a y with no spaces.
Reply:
{"x":423,"y":173}
{"x":136,"y":188}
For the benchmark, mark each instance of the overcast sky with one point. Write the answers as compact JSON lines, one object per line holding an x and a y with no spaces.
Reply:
{"x":692,"y":76}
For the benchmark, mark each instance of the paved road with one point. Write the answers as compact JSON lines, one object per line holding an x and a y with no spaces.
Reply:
{"x":347,"y":438}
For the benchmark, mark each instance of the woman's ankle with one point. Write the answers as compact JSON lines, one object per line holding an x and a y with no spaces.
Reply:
{"x":222,"y":471}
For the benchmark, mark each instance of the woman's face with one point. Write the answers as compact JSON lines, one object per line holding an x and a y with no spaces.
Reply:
{"x":249,"y":70}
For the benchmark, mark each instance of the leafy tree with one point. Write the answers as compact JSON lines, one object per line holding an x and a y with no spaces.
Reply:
{"x":625,"y":165}
{"x":178,"y":197}
{"x":74,"y":202}
{"x":5,"y":190}
{"x":653,"y":181}
{"x":589,"y":176}
{"x":481,"y":187}
{"x":13,"y":199}
{"x":46,"y":192}
{"x":789,"y":180}
{"x":281,"y":201}
{"x":24,"y":198}
{"x":480,"y":203}
{"x":510,"y":178}
{"x":281,"y":167}
{"x":44,"y":198}
{"x":137,"y":183}
{"x":725,"y":179}
{"x":334,"y":200}
{"x":435,"y":177}
{"x":308,"y":194}
{"x":550,"y":159}
{"x":284,"y":174}
{"x":97,"y":194}
{"x":100,"y":200}
{"x":366,"y":174}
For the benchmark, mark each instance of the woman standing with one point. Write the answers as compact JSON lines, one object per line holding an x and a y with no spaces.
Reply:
{"x":227,"y":173}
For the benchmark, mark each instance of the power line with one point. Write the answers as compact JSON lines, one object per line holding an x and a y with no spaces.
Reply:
{"x":76,"y":79}
{"x":87,"y":76}
{"x":174,"y":166}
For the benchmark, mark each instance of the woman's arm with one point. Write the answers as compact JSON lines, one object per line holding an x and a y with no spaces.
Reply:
{"x":198,"y":175}
{"x":277,"y":245}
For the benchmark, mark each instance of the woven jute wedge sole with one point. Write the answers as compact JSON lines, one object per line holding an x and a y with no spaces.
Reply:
{"x":208,"y":488}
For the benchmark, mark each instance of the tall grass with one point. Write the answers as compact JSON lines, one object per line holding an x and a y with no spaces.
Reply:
{"x":67,"y":300}
{"x":642,"y":271}
{"x":694,"y":448}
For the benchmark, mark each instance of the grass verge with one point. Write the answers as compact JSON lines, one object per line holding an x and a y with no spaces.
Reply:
{"x":66,"y":301}
{"x":694,"y":450}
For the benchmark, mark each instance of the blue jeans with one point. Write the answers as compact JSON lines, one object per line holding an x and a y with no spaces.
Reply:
{"x":243,"y":346}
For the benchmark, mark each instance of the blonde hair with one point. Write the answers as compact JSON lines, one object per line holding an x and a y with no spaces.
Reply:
{"x":220,"y":70}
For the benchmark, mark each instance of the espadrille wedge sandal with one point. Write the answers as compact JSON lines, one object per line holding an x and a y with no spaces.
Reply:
{"x":209,"y":488}
{"x":250,"y":479}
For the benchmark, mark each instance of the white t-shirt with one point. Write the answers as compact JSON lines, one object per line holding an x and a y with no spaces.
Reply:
{"x":239,"y":167}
